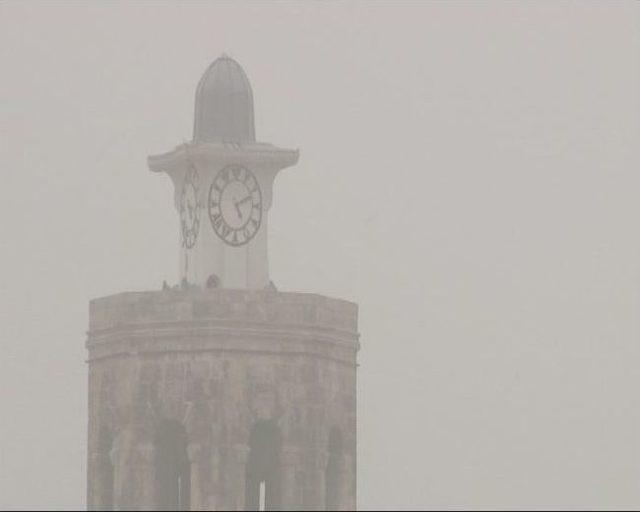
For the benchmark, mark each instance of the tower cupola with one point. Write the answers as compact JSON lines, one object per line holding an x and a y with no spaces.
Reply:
{"x":224,"y":104}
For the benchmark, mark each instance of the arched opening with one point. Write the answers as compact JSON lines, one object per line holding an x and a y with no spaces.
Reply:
{"x":262,"y":490}
{"x":333,"y":470}
{"x":105,"y":469}
{"x":172,"y":469}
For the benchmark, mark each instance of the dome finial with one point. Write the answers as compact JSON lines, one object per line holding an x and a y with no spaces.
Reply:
{"x":224,"y":104}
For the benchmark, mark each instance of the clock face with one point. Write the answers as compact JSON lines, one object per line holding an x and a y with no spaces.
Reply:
{"x":190,"y":208}
{"x":235,"y":205}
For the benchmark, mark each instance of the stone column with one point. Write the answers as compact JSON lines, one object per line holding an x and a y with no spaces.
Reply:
{"x":314,"y":486}
{"x":98,"y":494}
{"x":118,"y":459}
{"x":214,"y":487}
{"x":134,"y":475}
{"x":235,"y":500}
{"x":291,"y":491}
{"x":347,"y":483}
{"x":197,"y":460}
{"x":93,"y":492}
{"x":145,"y":470}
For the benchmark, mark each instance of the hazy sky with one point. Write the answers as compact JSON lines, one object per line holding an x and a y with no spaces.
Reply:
{"x":468,"y":174}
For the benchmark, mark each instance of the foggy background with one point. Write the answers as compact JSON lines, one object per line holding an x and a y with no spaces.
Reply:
{"x":468,"y":174}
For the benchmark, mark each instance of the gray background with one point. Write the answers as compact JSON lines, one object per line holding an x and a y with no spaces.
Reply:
{"x":468,"y":175}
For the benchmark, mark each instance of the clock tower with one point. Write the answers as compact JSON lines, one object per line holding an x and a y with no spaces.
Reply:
{"x":223,"y":184}
{"x":222,"y":393}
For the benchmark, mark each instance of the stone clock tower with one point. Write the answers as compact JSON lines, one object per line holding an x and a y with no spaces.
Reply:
{"x":222,"y":393}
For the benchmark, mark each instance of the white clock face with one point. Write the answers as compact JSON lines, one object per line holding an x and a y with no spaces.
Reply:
{"x":190,"y":209}
{"x":235,"y":205}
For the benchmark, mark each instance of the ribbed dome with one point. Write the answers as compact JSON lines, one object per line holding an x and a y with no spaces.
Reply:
{"x":224,"y":104}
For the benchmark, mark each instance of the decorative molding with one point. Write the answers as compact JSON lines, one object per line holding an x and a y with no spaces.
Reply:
{"x":247,"y":153}
{"x":237,"y":321}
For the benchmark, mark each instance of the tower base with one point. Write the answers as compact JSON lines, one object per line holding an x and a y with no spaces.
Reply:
{"x":222,"y":399}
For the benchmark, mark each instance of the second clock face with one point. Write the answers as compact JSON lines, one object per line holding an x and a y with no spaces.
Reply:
{"x":189,"y":207}
{"x":235,"y":205}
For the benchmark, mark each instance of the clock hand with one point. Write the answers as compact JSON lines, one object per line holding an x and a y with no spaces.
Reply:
{"x":236,"y":203}
{"x":244,"y":200}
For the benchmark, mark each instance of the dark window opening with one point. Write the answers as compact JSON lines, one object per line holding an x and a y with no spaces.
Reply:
{"x":263,"y":468}
{"x":172,"y":468}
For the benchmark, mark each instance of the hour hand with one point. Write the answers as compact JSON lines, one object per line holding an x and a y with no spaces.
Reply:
{"x":237,"y":205}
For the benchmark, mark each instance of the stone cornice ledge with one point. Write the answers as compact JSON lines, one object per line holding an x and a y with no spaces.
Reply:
{"x":223,"y":321}
{"x":154,"y":343}
{"x":226,"y":327}
{"x":247,"y":153}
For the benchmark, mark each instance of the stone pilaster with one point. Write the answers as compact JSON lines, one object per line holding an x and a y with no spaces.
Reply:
{"x":239,"y":472}
{"x":134,"y":476}
{"x":347,"y":489}
{"x":314,"y":487}
{"x":291,"y":493}
{"x":197,"y":460}
{"x":99,"y":496}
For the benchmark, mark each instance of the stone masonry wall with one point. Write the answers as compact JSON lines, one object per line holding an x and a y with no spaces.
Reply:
{"x":218,"y":362}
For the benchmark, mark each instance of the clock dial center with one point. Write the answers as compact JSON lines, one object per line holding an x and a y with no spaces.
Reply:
{"x":236,"y":204}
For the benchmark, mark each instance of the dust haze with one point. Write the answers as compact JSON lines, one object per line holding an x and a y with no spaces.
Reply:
{"x":468,"y":175}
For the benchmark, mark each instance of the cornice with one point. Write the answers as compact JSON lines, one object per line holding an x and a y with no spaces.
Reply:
{"x":223,"y":321}
{"x":226,"y":327}
{"x":149,"y":339}
{"x":251,"y":153}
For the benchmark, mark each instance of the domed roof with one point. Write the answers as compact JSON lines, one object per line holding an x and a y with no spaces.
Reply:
{"x":224,"y":104}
